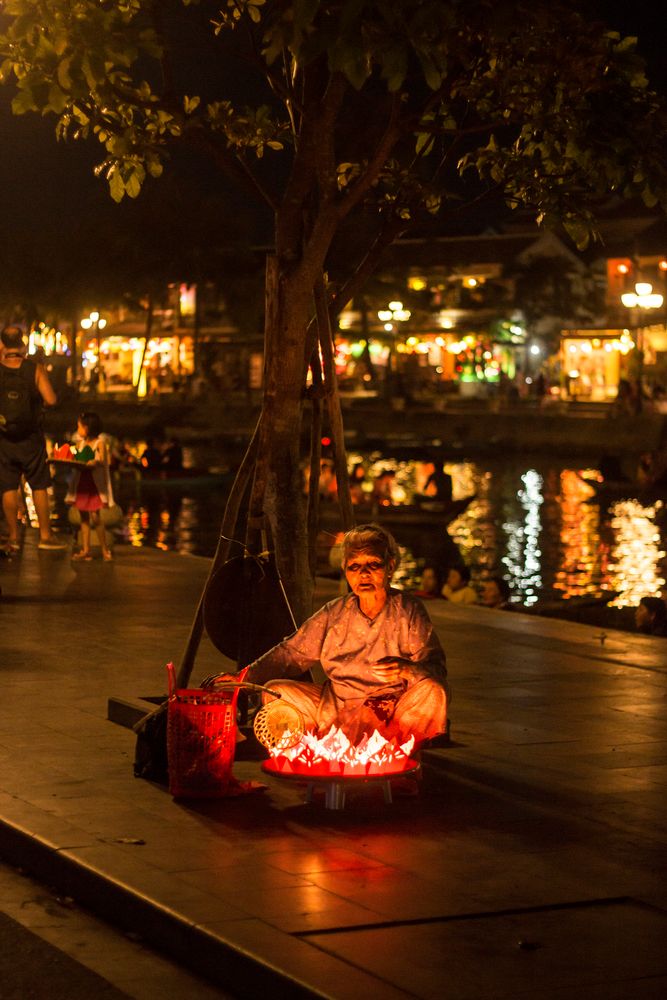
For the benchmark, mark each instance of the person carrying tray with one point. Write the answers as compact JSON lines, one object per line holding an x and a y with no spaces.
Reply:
{"x":90,"y":490}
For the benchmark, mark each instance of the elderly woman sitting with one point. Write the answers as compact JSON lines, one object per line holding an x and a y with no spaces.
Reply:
{"x":384,"y":665}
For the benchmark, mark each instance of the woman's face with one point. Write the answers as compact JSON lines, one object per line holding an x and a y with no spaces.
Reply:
{"x":429,"y":581}
{"x":642,"y":618}
{"x":368,"y":574}
{"x":454,"y":579}
{"x":491,"y":595}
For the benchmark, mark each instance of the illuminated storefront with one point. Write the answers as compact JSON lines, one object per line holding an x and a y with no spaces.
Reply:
{"x":472,"y":359}
{"x":130,"y":362}
{"x":49,"y":340}
{"x":594,"y":361}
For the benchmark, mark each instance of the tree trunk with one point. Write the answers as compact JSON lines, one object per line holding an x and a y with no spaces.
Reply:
{"x":277,"y":492}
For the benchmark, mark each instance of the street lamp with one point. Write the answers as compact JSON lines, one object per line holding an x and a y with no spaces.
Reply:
{"x":390,"y":318}
{"x":394,"y":313}
{"x":643,"y":297}
{"x":95,"y":322}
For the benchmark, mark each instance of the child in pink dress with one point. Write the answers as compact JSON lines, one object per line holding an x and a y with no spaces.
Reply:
{"x":90,"y":489}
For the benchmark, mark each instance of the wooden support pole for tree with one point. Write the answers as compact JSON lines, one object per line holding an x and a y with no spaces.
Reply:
{"x":315,"y":460}
{"x":147,"y":337}
{"x":333,"y":404}
{"x":225,"y":542}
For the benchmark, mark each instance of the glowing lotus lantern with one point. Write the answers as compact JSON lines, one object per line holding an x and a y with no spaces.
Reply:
{"x":330,"y":759}
{"x":334,"y":755}
{"x":335,"y":764}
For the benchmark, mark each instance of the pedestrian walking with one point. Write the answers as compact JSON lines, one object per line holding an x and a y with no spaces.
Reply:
{"x":90,"y":490}
{"x":25,"y":390}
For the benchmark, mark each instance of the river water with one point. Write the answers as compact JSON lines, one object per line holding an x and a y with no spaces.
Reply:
{"x":533,"y":520}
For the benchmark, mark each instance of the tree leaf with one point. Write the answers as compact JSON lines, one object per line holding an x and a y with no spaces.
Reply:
{"x":57,"y":99}
{"x":190,"y":104}
{"x":424,"y":143}
{"x":116,"y":185}
{"x":64,"y":78}
{"x":23,"y":101}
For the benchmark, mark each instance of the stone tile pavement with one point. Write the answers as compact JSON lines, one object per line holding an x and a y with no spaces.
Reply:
{"x":533,"y":864}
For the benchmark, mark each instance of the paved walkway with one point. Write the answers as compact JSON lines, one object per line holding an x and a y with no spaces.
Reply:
{"x":532,"y":866}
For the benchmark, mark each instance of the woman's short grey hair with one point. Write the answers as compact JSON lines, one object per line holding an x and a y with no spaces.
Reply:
{"x":370,"y":538}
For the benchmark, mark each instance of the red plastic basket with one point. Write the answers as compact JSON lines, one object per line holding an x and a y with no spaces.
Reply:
{"x":201,"y":738}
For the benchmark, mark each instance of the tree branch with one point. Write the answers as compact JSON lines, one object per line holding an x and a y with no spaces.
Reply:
{"x":389,"y":231}
{"x":389,"y":139}
{"x":233,"y":165}
{"x":325,"y":145}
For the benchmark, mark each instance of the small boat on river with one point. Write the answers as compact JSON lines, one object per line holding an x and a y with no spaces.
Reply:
{"x":192,"y":478}
{"x":438,"y":513}
{"x":610,"y":490}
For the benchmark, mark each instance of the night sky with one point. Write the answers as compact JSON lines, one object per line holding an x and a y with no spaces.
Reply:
{"x":44,"y":183}
{"x":41,"y":180}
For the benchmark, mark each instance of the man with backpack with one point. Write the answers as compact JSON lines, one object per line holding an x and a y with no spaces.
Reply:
{"x":24,"y":391}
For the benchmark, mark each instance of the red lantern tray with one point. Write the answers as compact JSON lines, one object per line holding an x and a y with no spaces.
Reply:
{"x":334,"y":783}
{"x":326,"y":770}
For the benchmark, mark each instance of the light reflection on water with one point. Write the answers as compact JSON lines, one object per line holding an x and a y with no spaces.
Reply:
{"x":535,"y":523}
{"x":583,"y":557}
{"x":499,"y":533}
{"x":523,"y":559}
{"x":169,"y":520}
{"x":637,"y":557}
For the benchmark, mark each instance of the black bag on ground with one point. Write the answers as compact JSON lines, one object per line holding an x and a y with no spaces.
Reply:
{"x":150,"y":754}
